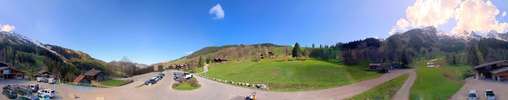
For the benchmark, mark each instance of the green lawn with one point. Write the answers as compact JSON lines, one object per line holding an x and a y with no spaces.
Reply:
{"x":437,"y":83}
{"x":384,"y":91}
{"x":187,"y":85}
{"x":290,"y":75}
{"x":113,"y":82}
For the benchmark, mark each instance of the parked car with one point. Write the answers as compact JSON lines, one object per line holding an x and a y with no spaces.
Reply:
{"x":150,"y":82}
{"x":51,"y":80}
{"x":252,"y":96}
{"x":18,"y":92}
{"x":472,"y":95}
{"x":46,"y":93}
{"x":188,"y":76}
{"x":161,"y":74}
{"x":44,"y":79}
{"x":490,"y":94}
{"x":9,"y":92}
{"x":34,"y":87}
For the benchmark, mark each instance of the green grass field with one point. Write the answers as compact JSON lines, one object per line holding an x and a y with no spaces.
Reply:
{"x":114,"y":83}
{"x":290,"y":75}
{"x":384,"y":91}
{"x":185,"y":86}
{"x":437,"y":83}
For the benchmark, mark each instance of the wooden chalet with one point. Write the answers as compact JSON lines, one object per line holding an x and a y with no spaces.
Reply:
{"x":90,"y":76}
{"x":219,"y":59}
{"x":9,"y":72}
{"x":496,"y":70}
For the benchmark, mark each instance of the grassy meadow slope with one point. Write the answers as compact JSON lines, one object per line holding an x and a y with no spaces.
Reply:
{"x":437,"y":83}
{"x":290,"y":75}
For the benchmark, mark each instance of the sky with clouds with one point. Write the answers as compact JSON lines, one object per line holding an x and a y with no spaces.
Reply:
{"x":159,"y":30}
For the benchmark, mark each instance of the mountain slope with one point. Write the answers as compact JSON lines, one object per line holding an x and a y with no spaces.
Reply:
{"x":31,"y":57}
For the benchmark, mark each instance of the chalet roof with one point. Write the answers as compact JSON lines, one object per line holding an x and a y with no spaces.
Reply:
{"x":489,"y":63}
{"x":499,"y":70}
{"x":92,"y":72}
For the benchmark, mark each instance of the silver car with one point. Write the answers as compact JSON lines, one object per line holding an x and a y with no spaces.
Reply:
{"x":471,"y":95}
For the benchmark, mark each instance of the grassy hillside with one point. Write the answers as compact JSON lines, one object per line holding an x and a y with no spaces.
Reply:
{"x":384,"y":91}
{"x":233,"y":52}
{"x":290,"y":75}
{"x":438,"y":83}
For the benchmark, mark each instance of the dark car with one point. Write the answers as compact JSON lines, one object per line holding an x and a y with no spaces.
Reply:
{"x":150,"y":82}
{"x":490,"y":94}
{"x":9,"y":92}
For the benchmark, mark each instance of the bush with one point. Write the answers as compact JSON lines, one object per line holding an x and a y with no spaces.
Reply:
{"x":187,"y":85}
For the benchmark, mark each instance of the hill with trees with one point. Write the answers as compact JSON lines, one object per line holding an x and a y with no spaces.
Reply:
{"x":31,"y":57}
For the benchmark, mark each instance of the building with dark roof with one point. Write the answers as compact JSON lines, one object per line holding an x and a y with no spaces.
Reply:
{"x":9,"y":72}
{"x":90,"y":76}
{"x":496,"y":70}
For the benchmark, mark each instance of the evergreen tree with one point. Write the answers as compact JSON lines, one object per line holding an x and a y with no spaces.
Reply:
{"x":297,"y":52}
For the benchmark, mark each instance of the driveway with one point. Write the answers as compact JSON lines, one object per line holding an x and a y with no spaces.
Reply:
{"x":500,"y":89}
{"x":209,"y":90}
{"x":405,"y":90}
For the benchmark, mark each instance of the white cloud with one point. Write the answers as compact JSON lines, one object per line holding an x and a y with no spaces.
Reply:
{"x":504,"y":14}
{"x":426,"y":13}
{"x":478,"y":16}
{"x":217,"y":12}
{"x":189,"y":52}
{"x":470,"y":15}
{"x":7,"y":28}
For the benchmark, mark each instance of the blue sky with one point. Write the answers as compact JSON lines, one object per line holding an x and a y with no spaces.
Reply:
{"x":152,"y":31}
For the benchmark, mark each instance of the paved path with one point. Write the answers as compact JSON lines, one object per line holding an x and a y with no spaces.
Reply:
{"x":210,"y":90}
{"x":500,"y":89}
{"x":205,"y":68}
{"x":405,"y":90}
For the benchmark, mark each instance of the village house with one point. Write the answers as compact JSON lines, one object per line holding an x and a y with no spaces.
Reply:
{"x":90,"y":76}
{"x":496,"y":70}
{"x":219,"y":59}
{"x":8,"y":72}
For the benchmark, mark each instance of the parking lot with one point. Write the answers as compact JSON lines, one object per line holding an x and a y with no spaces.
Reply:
{"x":500,"y":89}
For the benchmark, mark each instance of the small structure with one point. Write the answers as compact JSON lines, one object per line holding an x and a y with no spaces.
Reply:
{"x":379,"y":67}
{"x":496,"y":70}
{"x":267,"y":54}
{"x":179,"y":66}
{"x":219,"y":59}
{"x":8,"y":72}
{"x":90,"y":76}
{"x":432,"y":63}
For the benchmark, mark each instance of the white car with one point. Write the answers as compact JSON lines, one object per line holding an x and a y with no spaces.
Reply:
{"x":51,"y":80}
{"x":46,"y":93}
{"x":40,"y":79}
{"x":188,"y":76}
